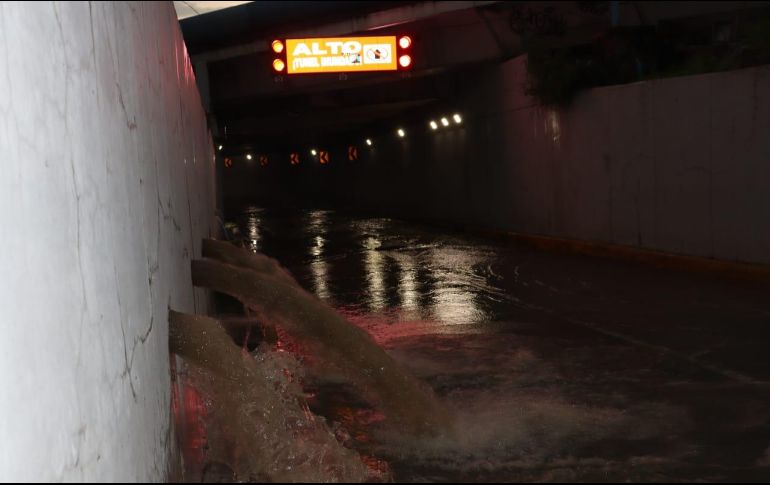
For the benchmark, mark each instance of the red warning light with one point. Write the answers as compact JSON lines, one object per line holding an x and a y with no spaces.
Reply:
{"x":405,"y":61}
{"x":405,"y":42}
{"x":279,"y":65}
{"x":277,"y":46}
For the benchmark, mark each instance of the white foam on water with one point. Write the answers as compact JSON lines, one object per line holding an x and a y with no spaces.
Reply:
{"x":267,"y":432}
{"x":513,"y":419}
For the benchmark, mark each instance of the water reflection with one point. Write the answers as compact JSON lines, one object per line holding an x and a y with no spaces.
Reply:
{"x":375,"y":278}
{"x":407,"y":285}
{"x":320,"y":271}
{"x":317,"y":222}
{"x":454,"y":299}
{"x":317,"y":228}
{"x":377,"y":267}
{"x":316,"y":250}
{"x":253,"y":223}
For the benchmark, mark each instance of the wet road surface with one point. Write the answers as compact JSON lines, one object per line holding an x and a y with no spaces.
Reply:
{"x":559,"y":367}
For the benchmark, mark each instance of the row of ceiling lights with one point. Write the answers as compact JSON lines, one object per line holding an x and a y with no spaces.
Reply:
{"x":434,"y":125}
{"x":445,"y":122}
{"x":400,"y":132}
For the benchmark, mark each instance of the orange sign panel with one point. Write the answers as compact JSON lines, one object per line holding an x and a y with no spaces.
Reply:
{"x":341,"y":54}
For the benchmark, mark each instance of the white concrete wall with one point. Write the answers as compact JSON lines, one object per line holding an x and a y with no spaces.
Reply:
{"x":680,"y":164}
{"x":106,"y":187}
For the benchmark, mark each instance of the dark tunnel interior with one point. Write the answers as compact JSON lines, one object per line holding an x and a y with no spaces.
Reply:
{"x":368,"y":241}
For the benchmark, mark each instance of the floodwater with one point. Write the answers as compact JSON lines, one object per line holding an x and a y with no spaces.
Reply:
{"x":556,"y":368}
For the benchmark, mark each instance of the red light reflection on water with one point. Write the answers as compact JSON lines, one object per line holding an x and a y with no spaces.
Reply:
{"x":189,"y":413}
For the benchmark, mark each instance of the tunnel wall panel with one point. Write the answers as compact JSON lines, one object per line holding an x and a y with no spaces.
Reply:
{"x":679,"y":165}
{"x":107,"y":186}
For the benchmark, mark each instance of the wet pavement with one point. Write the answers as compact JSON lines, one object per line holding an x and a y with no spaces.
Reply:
{"x":556,"y":367}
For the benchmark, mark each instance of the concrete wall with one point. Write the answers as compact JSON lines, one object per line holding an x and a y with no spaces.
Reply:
{"x":106,"y":187}
{"x":680,"y":165}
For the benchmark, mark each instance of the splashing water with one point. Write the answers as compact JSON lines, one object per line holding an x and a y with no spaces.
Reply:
{"x":257,"y":422}
{"x":268,"y":290}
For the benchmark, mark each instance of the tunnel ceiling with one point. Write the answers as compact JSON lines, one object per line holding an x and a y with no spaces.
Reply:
{"x":453,"y":42}
{"x":189,"y":9}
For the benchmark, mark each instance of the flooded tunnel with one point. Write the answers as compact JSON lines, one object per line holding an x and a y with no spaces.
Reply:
{"x":367,"y":241}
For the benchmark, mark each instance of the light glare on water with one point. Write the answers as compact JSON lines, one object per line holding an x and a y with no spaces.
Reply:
{"x":555,"y":368}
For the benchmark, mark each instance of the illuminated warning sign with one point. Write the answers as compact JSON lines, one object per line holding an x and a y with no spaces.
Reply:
{"x":341,"y":54}
{"x":352,"y":153}
{"x":323,"y":157}
{"x":294,"y":158}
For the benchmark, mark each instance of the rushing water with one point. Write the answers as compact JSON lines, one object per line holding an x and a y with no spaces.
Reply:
{"x":555,"y":367}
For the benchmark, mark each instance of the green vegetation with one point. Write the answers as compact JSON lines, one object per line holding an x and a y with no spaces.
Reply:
{"x":623,"y":55}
